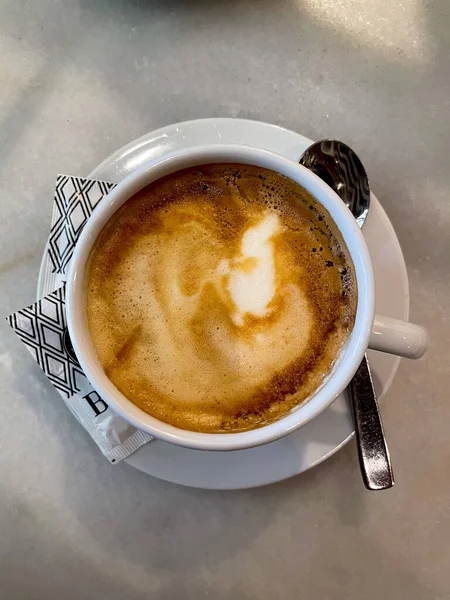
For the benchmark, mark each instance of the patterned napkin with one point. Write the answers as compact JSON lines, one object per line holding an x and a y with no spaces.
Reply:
{"x":42,"y":326}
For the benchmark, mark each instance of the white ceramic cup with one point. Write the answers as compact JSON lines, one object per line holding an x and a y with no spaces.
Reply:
{"x":369,"y":330}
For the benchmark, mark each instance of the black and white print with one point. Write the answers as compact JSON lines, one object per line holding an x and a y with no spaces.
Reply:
{"x":42,"y":327}
{"x":74,"y":201}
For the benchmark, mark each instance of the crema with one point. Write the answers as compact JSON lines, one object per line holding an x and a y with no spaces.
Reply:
{"x":220,"y":297}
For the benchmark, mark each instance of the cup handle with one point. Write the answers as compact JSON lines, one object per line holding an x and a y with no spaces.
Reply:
{"x":398,"y":337}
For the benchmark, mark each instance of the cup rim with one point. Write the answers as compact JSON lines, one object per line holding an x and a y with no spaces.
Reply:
{"x":346,"y":364}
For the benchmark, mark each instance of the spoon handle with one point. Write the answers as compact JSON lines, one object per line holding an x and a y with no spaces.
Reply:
{"x":373,"y":452}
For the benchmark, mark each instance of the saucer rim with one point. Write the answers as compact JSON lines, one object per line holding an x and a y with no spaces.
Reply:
{"x":119,"y":155}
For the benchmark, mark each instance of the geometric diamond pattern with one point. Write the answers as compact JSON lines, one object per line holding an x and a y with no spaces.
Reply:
{"x":42,"y":328}
{"x":75,"y":199}
{"x":78,"y":217}
{"x":56,"y":367}
{"x":62,"y":242}
{"x":24,"y":324}
{"x":52,"y":337}
{"x":51,"y":309}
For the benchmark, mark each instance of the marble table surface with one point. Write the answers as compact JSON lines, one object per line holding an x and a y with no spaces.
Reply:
{"x":78,"y":79}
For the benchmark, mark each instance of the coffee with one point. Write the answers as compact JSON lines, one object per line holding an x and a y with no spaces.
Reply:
{"x":219,"y":297}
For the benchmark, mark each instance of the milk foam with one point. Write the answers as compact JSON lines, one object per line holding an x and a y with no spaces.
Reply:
{"x":252,"y":286}
{"x":216,"y":310}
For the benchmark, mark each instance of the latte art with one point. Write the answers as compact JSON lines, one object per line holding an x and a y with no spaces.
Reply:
{"x":251,"y":276}
{"x":219,"y":297}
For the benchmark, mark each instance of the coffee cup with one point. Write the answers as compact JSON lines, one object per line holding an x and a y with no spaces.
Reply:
{"x":369,"y":330}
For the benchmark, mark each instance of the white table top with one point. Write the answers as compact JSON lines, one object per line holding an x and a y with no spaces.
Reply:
{"x":80,"y":79}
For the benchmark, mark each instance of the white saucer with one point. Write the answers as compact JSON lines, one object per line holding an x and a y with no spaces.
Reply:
{"x":319,"y":439}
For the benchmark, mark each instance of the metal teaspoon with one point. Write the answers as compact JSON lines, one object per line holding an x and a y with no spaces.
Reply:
{"x":339,"y":166}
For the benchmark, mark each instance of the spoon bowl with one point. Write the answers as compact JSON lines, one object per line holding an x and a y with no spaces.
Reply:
{"x":340,"y":167}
